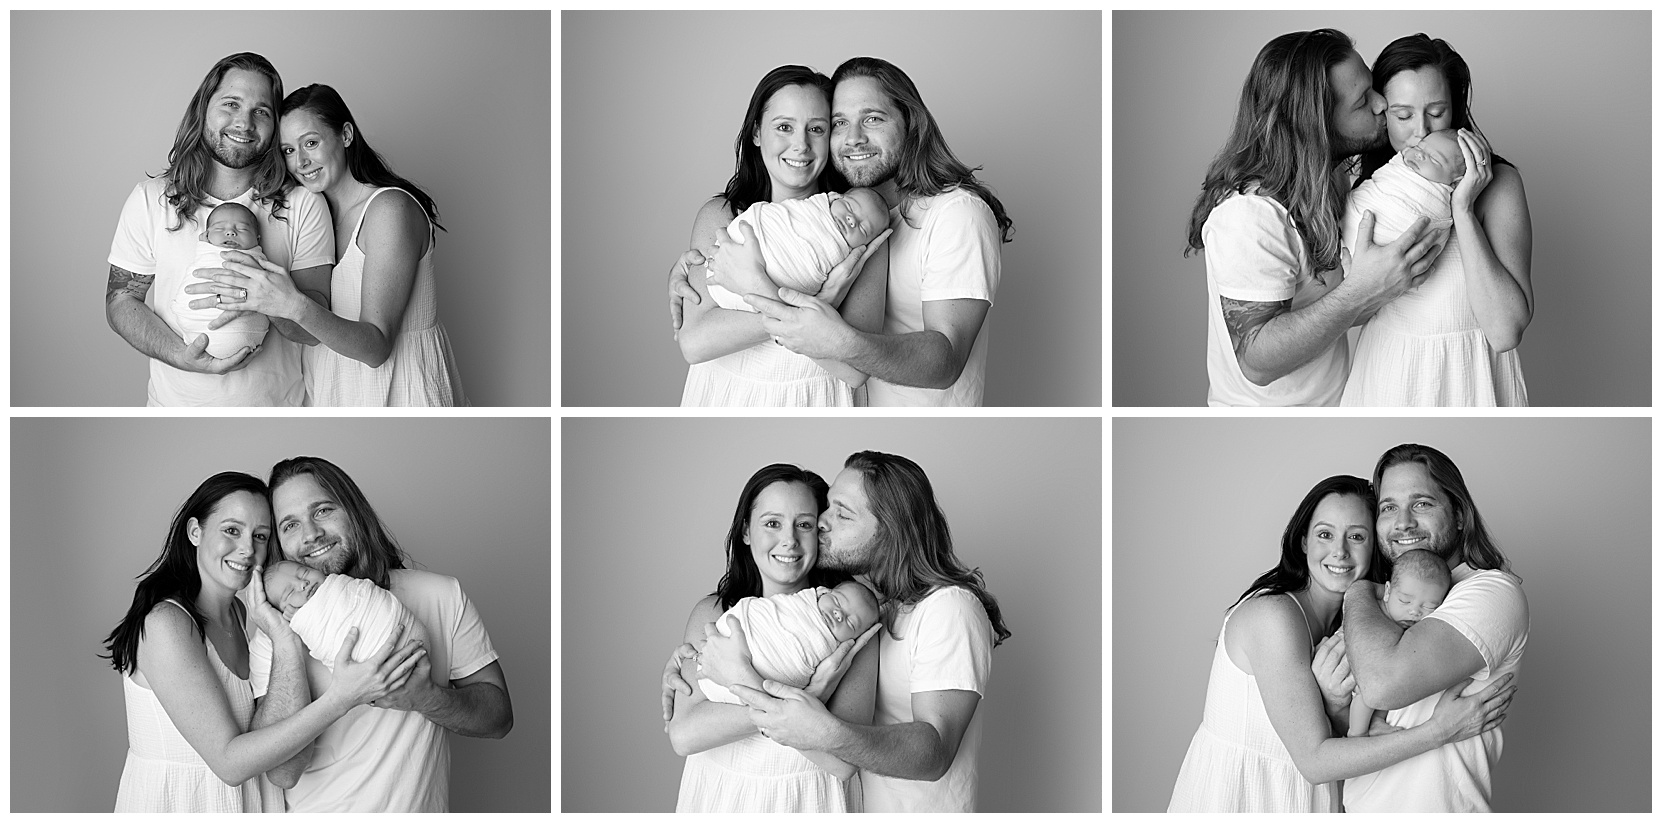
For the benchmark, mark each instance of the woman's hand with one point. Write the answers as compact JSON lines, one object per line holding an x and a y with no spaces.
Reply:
{"x":247,"y":283}
{"x":726,"y":659}
{"x":384,"y":673}
{"x":838,"y":281}
{"x":1463,"y":717}
{"x":673,"y":681}
{"x":737,"y":263}
{"x":829,"y":673}
{"x":680,"y":289}
{"x":1332,"y":669}
{"x":265,"y":616}
{"x":1474,"y":147}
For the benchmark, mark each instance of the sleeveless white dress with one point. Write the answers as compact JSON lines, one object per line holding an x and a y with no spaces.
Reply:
{"x":755,"y":774}
{"x":1236,"y":762}
{"x":421,"y":371}
{"x":164,"y":774}
{"x":766,"y":374}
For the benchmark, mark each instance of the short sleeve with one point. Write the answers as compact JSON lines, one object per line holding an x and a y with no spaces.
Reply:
{"x":964,"y":258}
{"x":952,"y":643}
{"x":132,"y":248}
{"x":470,"y":644}
{"x":314,"y":231}
{"x":1252,"y":250}
{"x":259,"y":662}
{"x":1489,"y":610}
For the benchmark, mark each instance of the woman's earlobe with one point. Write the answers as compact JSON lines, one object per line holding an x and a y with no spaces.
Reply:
{"x":193,"y":530}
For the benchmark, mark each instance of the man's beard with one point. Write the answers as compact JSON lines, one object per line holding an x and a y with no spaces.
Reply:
{"x":868,"y":176}
{"x":1444,"y":545}
{"x":853,"y":561}
{"x":1344,"y":146}
{"x":233,"y":155}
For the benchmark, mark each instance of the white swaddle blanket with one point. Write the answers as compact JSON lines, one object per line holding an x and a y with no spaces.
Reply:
{"x":788,"y":638}
{"x":247,"y":330}
{"x":800,"y":244}
{"x":1397,"y":196}
{"x":343,"y":602}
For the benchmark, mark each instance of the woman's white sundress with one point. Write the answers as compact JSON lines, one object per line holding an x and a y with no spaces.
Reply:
{"x":1425,"y":348}
{"x":164,"y":774}
{"x":1236,"y":762}
{"x":755,"y":774}
{"x":766,"y":374}
{"x":420,"y":371}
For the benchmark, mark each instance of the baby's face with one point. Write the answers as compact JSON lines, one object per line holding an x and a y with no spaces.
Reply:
{"x":861,"y":215}
{"x":1436,"y":157}
{"x":289,"y":585}
{"x":1408,"y":599}
{"x":849,"y":610}
{"x":233,"y":229}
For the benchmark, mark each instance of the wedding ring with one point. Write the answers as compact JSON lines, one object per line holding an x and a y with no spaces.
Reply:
{"x":219,"y":298}
{"x":242,"y":294}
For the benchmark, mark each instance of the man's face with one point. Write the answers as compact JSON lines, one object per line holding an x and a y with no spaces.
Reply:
{"x":1414,"y":513}
{"x":312,"y":527}
{"x":1357,"y":118}
{"x":239,"y":123}
{"x":848,"y":528}
{"x":866,"y":132}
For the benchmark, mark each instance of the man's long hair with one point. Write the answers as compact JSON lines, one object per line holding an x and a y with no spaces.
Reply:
{"x":913,"y":554}
{"x":374,"y":551}
{"x":926,"y":166}
{"x":1281,"y":142}
{"x":1292,"y":571}
{"x":1417,"y":51}
{"x":1477,"y":548}
{"x":364,"y":163}
{"x":190,"y":162}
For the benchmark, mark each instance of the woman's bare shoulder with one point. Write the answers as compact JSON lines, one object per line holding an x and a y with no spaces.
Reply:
{"x":397,"y":217}
{"x":1267,"y":612}
{"x":712,"y":216}
{"x":169,"y":625}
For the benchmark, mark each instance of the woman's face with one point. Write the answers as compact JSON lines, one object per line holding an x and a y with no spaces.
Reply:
{"x":1339,"y":543}
{"x":792,"y":136}
{"x":1417,"y":103}
{"x":783,"y":535}
{"x":314,"y":153}
{"x":231,"y":540}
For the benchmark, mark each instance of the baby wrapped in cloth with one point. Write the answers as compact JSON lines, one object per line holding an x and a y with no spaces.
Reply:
{"x":790,"y":634}
{"x":322,"y":608}
{"x":802,"y":240}
{"x":231,"y":226}
{"x":1417,"y":182}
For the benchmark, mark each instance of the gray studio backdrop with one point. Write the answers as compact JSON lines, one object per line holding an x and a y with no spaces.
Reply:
{"x":1199,"y":507}
{"x":1564,"y":96}
{"x":459,"y":102}
{"x":91,"y":502}
{"x":652,"y":101}
{"x":646,"y":504}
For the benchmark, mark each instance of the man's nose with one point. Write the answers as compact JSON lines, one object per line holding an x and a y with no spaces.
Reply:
{"x":1377,"y":102}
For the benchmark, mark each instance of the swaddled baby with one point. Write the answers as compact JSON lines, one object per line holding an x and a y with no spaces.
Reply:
{"x":1419,"y":582}
{"x":802,"y":240}
{"x":322,"y":608}
{"x":1418,"y":182}
{"x":230,"y":226}
{"x":790,"y":634}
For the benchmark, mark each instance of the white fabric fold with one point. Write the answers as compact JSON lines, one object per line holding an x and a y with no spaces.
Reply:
{"x":787,"y":635}
{"x":800,"y":244}
{"x":341,"y":603}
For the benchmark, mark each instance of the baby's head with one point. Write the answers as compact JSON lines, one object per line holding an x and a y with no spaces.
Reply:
{"x":1419,"y":582}
{"x":849,"y":609}
{"x":289,"y":585}
{"x":1437,"y":157}
{"x":861,"y":215}
{"x":233,"y":226}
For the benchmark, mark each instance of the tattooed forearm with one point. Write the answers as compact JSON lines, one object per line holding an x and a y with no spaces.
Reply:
{"x":125,"y":282}
{"x":1245,"y":319}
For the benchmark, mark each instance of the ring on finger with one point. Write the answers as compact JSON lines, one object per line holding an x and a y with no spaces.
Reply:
{"x":242,"y":294}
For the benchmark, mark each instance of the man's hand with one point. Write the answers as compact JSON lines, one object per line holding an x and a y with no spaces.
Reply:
{"x":726,"y":660}
{"x":673,"y":681}
{"x":680,"y":289}
{"x":1384,"y":273}
{"x":1332,"y":669}
{"x":829,"y":673}
{"x":789,"y":716}
{"x":843,"y":275}
{"x":417,"y":693}
{"x":195,"y":358}
{"x":246,"y":283}
{"x":805,"y":324}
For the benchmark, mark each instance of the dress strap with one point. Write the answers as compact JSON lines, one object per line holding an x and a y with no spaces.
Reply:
{"x":1306,"y":619}
{"x":364,"y":212}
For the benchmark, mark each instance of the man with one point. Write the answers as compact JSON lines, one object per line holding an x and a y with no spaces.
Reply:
{"x":944,"y":256}
{"x":1479,"y":631}
{"x":392,"y":755}
{"x":225,"y":151}
{"x":920,"y":752}
{"x":1268,"y":220}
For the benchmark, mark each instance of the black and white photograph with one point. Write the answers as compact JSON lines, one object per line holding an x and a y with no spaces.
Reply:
{"x":267,"y":615}
{"x":806,"y":615}
{"x":1382,"y":209}
{"x":885,"y":209}
{"x":260,"y":250}
{"x":1382,"y":615}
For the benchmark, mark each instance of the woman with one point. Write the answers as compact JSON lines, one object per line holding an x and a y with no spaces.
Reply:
{"x":782,"y":153}
{"x":772,"y":548}
{"x":1452,"y":341}
{"x":183,"y":654}
{"x":1265,"y":742}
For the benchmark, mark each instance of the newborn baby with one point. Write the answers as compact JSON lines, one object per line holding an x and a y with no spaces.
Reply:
{"x":1416,"y":183}
{"x":1419,"y":582}
{"x":322,"y":608}
{"x":230,"y":226}
{"x":803,"y":240}
{"x":790,"y":634}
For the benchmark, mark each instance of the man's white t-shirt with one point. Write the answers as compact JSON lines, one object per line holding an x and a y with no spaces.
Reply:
{"x":1255,"y":253}
{"x":1488,"y":608}
{"x":943,"y":643}
{"x":382,"y":760}
{"x":143,"y":245}
{"x":953,"y":252}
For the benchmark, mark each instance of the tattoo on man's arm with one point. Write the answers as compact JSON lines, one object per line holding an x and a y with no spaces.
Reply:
{"x":1245,"y":318}
{"x":125,"y":282}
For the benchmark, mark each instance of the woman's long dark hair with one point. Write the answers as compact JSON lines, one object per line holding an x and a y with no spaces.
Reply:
{"x":1293,"y":572}
{"x":750,"y":183}
{"x":175,"y":575}
{"x":1418,"y":51}
{"x":366,"y":164}
{"x":742,"y":578}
